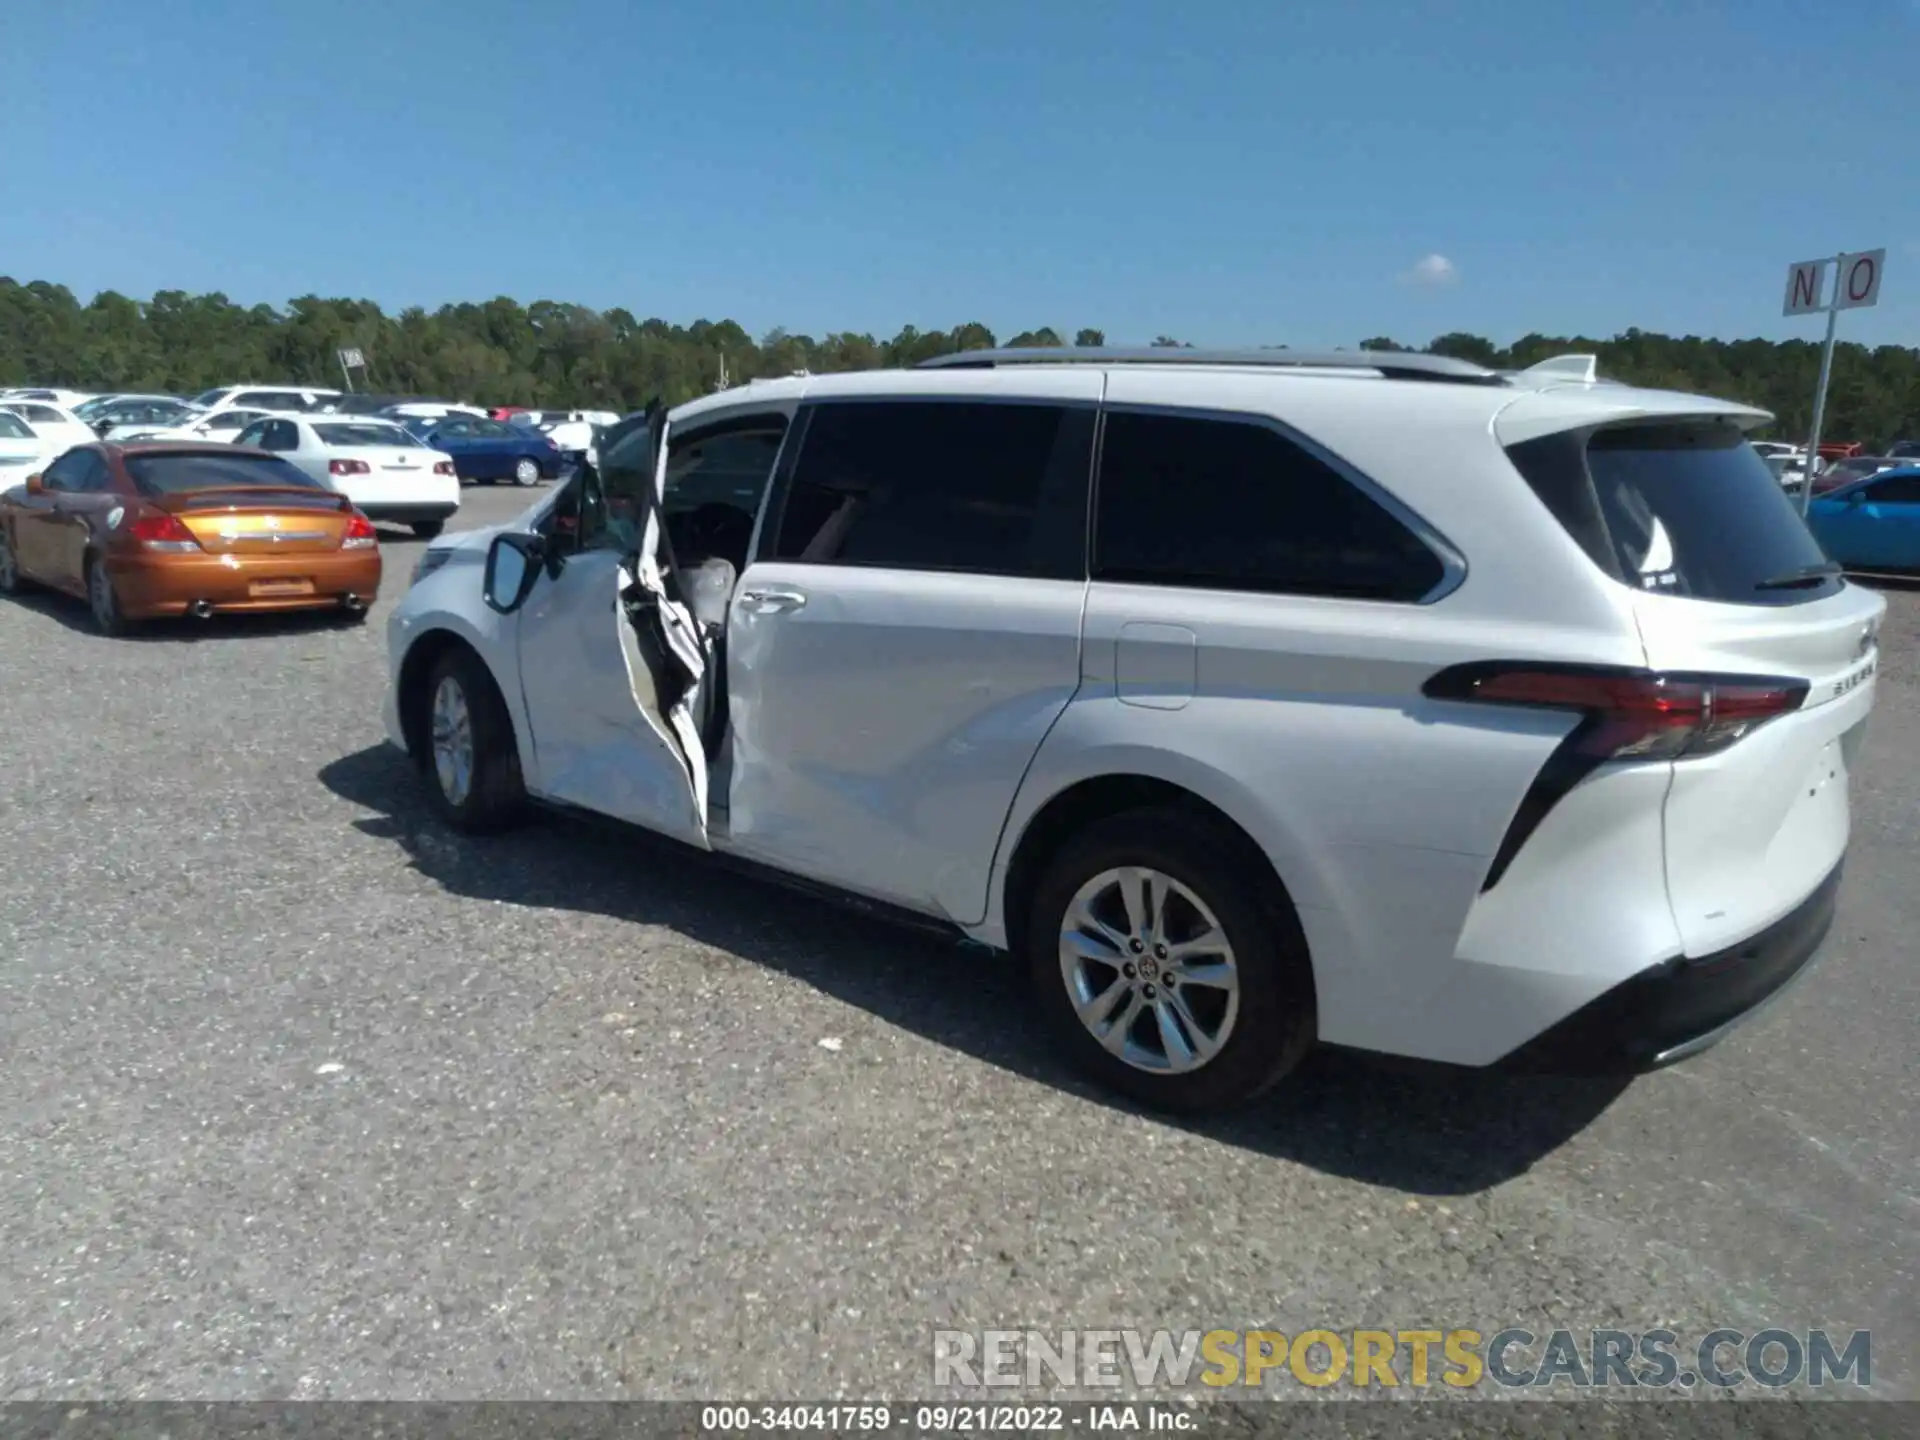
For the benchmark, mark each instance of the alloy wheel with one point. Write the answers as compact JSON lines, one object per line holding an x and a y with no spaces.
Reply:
{"x":525,"y":472}
{"x":452,"y":741}
{"x":1149,"y":970}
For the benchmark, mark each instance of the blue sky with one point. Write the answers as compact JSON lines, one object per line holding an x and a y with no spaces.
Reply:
{"x":1228,"y":173}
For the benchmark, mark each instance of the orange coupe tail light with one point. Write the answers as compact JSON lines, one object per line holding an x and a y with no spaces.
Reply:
{"x":359,"y":534}
{"x":162,"y":530}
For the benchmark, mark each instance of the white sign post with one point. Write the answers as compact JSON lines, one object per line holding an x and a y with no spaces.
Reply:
{"x":1856,"y":283}
{"x":351,"y":359}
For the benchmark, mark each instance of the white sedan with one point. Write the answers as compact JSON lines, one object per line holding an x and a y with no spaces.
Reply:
{"x":124,"y":419}
{"x":386,"y":472}
{"x":59,"y":429}
{"x":224,"y":423}
{"x":65,"y":399}
{"x":19,"y":450}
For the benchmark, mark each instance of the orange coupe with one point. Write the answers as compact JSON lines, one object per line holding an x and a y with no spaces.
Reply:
{"x":148,"y":530}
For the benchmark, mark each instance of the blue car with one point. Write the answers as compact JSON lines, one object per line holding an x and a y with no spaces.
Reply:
{"x":1871,"y":524}
{"x":486,"y":450}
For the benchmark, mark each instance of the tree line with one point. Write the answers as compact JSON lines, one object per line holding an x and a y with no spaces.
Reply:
{"x":552,"y":354}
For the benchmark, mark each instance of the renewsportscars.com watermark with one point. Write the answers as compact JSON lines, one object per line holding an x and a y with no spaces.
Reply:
{"x":1453,"y":1359}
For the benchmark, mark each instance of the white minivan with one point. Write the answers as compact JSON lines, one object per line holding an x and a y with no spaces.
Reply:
{"x":1250,"y":699}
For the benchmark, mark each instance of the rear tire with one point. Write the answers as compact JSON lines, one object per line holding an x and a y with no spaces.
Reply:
{"x":1241,"y":1011}
{"x":103,"y":601}
{"x":463,"y":715}
{"x":526,"y":471}
{"x":12,"y":582}
{"x":428,"y":529}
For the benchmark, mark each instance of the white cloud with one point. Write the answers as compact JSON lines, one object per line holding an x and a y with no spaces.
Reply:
{"x":1433,"y":269}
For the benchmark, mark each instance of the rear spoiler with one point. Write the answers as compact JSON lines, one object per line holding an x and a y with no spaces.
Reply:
{"x":239,"y":495}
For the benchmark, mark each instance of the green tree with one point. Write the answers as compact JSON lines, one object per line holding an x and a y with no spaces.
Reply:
{"x":553,"y":352}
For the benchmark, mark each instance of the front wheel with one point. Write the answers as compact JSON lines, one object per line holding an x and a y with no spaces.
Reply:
{"x":471,"y":764}
{"x":1165,"y":965}
{"x":526,"y":471}
{"x":428,"y":529}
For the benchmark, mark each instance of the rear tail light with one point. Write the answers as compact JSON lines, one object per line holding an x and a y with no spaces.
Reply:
{"x":360,"y":535}
{"x":1626,"y":715}
{"x":162,"y":530}
{"x":1631,"y":714}
{"x":348,"y":467}
{"x":443,"y":467}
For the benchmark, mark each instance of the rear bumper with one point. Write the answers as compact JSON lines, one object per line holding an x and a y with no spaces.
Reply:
{"x":150,"y":586}
{"x":404,"y":513}
{"x":1685,"y":1005}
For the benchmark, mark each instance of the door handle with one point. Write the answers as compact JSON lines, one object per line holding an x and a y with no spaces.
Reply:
{"x":773,"y":600}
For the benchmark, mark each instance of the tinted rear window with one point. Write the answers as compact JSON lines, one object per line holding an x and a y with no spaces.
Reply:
{"x":1685,"y":509}
{"x":178,"y":474}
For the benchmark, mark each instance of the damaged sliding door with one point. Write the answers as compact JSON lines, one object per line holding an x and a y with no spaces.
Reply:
{"x":611,"y":662}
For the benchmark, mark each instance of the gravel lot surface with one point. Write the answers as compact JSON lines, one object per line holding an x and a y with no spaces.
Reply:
{"x":303,"y":1096}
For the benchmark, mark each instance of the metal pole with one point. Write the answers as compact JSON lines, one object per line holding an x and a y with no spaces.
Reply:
{"x":347,"y":375}
{"x":1820,"y":394}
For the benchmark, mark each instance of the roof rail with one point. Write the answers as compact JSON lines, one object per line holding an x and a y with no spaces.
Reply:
{"x":1392,"y":364}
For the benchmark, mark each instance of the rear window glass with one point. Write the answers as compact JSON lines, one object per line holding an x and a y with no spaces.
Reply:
{"x":1685,"y":509}
{"x":178,"y":474}
{"x":350,"y":435}
{"x":12,"y":427}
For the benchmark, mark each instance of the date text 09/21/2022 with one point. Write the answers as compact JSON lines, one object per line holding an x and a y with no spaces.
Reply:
{"x":946,"y":1418}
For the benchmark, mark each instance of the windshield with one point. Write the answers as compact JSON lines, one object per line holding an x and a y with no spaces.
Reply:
{"x":364,"y":433}
{"x":484,"y":428}
{"x":208,"y":398}
{"x":179,"y":474}
{"x":145,"y":412}
{"x":12,"y":427}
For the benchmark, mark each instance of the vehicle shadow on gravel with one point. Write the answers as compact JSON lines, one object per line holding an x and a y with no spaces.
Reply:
{"x":1422,"y":1129}
{"x":73,"y":614}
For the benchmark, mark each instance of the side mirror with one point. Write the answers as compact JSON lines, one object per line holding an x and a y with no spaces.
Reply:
{"x":36,"y":485}
{"x":513,"y":565}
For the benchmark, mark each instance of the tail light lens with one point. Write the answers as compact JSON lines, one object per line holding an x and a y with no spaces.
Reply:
{"x":162,"y":530}
{"x":443,"y":467}
{"x":360,"y":535}
{"x":1625,"y":715}
{"x":348,"y":467}
{"x":1631,"y":714}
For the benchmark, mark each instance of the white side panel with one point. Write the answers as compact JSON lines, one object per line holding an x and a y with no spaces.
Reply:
{"x":1380,"y":809}
{"x":882,"y":724}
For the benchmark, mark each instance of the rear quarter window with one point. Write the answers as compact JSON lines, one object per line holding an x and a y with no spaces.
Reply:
{"x":1679,"y":509}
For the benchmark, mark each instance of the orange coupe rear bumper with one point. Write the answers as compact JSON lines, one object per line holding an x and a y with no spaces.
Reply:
{"x":150,"y":585}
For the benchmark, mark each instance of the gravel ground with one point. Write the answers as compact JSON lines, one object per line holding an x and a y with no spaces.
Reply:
{"x":303,"y":1096}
